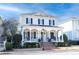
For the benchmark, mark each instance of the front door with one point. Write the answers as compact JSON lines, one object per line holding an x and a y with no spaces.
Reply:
{"x":43,"y":36}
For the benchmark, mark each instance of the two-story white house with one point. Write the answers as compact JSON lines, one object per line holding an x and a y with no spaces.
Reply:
{"x":39,"y":26}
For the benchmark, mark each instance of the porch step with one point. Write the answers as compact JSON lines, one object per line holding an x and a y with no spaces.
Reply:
{"x":47,"y":46}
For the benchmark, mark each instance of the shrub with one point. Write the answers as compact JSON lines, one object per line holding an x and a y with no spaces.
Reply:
{"x":65,"y":43}
{"x":8,"y":46}
{"x":61,"y":44}
{"x":30,"y":45}
{"x":75,"y":42}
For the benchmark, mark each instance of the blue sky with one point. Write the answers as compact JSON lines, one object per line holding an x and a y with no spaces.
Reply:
{"x":60,"y":10}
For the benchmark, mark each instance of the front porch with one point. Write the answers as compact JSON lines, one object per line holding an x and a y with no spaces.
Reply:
{"x":41,"y":34}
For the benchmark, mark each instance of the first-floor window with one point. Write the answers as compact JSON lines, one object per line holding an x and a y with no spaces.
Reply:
{"x":28,"y":35}
{"x":34,"y":35}
{"x":26,"y":20}
{"x":52,"y":36}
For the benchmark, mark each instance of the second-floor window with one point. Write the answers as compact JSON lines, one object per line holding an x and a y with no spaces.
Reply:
{"x":26,"y":20}
{"x":49,"y":22}
{"x":42,"y":21}
{"x":38,"y":21}
{"x":31,"y":20}
{"x":53,"y":22}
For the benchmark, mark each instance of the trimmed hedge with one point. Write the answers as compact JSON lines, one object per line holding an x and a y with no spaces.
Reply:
{"x":8,"y":46}
{"x":75,"y":42}
{"x":65,"y":43}
{"x":31,"y":45}
{"x":62,"y":44}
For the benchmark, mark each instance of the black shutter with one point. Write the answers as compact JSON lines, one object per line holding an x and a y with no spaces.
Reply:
{"x":28,"y":36}
{"x":49,"y":22}
{"x":31,"y":21}
{"x":26,"y":20}
{"x":53,"y":22}
{"x":38,"y":21}
{"x":43,"y":21}
{"x":34,"y":35}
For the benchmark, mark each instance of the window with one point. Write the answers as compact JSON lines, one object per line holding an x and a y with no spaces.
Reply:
{"x":28,"y":35}
{"x":42,"y":21}
{"x":26,"y":20}
{"x":49,"y":22}
{"x":34,"y":35}
{"x":38,"y":21}
{"x":53,"y":22}
{"x":31,"y":21}
{"x":52,"y":36}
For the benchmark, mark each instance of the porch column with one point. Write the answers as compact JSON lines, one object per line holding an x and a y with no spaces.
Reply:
{"x":22,"y":33}
{"x":39,"y":35}
{"x":30,"y":35}
{"x":56,"y":35}
{"x":49,"y":35}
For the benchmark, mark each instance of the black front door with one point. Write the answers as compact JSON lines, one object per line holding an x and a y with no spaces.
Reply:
{"x":52,"y":36}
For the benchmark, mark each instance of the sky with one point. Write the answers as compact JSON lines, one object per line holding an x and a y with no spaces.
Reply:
{"x":62,"y":11}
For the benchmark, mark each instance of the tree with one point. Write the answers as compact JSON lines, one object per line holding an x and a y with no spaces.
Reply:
{"x":10,"y":27}
{"x":65,"y":38}
{"x":17,"y":41}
